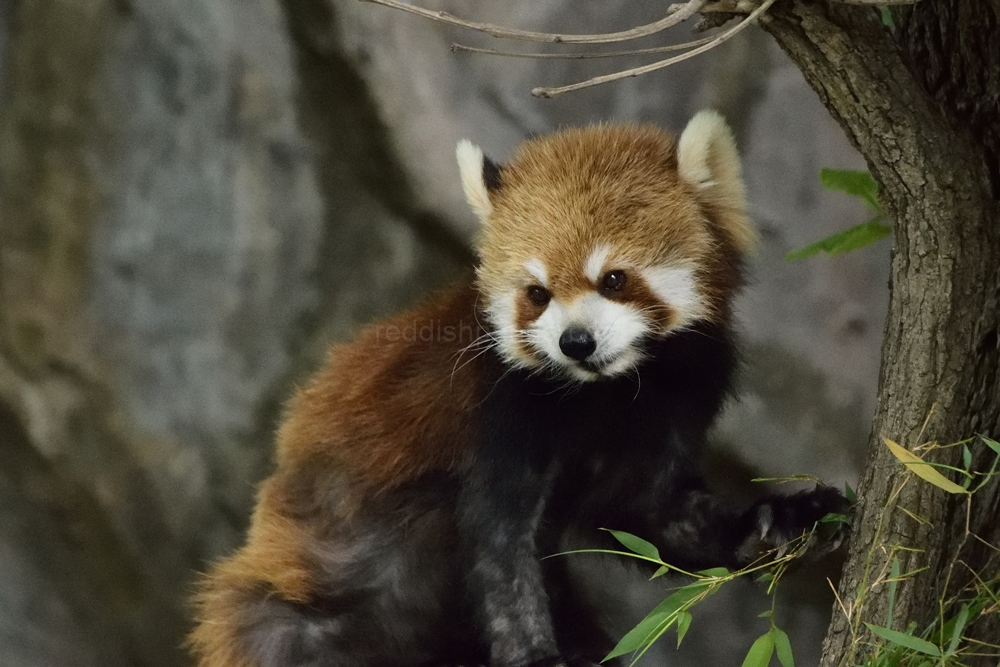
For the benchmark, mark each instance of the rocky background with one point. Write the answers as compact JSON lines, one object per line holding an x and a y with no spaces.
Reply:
{"x":198,"y":196}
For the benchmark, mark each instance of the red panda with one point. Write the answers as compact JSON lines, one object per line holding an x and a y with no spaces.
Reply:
{"x":568,"y":385}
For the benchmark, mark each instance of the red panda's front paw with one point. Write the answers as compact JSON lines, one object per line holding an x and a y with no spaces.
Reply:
{"x":779,"y":520}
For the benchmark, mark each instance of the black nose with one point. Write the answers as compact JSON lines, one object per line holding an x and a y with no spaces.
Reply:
{"x":577,"y":343}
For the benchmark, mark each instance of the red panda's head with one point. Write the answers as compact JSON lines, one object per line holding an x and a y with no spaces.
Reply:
{"x":596,"y":241}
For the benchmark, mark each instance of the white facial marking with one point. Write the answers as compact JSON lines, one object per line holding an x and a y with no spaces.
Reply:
{"x":677,"y":288}
{"x":545,"y":331}
{"x":616,"y":328}
{"x":502,"y":312}
{"x":536,"y":269}
{"x":594,"y":264}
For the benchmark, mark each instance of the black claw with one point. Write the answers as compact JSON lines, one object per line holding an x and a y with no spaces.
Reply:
{"x":778,"y":520}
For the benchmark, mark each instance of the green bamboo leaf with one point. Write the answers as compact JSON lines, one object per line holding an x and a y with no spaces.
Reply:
{"x":849,"y":493}
{"x":905,"y":640}
{"x":893,"y":580}
{"x":683,"y":623}
{"x":789,"y":478}
{"x":945,"y":466}
{"x":833,"y":517}
{"x":714,"y":572}
{"x":956,"y":633}
{"x":643,"y":634}
{"x":854,"y":238}
{"x":682,"y":597}
{"x":782,"y":647}
{"x":887,"y":18}
{"x":662,"y":570}
{"x":856,"y":183}
{"x":658,"y":620}
{"x":921,"y":468}
{"x":760,"y":653}
{"x":992,"y":444}
{"x":966,"y":457}
{"x":636,"y":544}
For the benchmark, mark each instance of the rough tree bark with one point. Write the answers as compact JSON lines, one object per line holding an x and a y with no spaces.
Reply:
{"x":920,"y":102}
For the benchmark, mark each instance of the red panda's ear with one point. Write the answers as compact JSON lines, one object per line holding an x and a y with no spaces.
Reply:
{"x":480,"y":177}
{"x":707,"y":158}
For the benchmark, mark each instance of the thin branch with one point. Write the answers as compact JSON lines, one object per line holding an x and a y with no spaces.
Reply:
{"x":551,"y":92}
{"x":720,"y":6}
{"x":745,"y":6}
{"x":840,"y":602}
{"x":563,"y":56}
{"x":676,"y":14}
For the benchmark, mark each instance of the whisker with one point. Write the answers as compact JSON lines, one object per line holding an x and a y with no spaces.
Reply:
{"x":638,"y":380}
{"x":470,"y":360}
{"x":477,"y":343}
{"x":480,"y":345}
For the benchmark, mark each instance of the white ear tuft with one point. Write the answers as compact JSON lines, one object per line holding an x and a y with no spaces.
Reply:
{"x":707,"y":158}
{"x":470,"y":166}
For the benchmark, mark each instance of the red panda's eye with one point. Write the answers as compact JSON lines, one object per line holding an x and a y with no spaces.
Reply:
{"x":614,"y":281}
{"x":538,"y":295}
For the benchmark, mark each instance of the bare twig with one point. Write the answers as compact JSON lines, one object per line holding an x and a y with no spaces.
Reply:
{"x":550,"y":92}
{"x":676,"y":14}
{"x":720,"y":6}
{"x":840,"y":602}
{"x":746,"y":6}
{"x":986,"y":543}
{"x":603,"y":54}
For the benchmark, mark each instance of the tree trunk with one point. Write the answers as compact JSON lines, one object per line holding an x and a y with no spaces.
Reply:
{"x":919,"y":101}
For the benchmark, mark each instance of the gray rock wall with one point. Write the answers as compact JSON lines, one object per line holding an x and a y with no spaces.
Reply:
{"x":197,"y":196}
{"x":202,"y":261}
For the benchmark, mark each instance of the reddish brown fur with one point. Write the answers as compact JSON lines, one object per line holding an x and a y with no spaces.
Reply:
{"x":378,"y":399}
{"x":275,"y":558}
{"x":638,"y":293}
{"x":380,"y":413}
